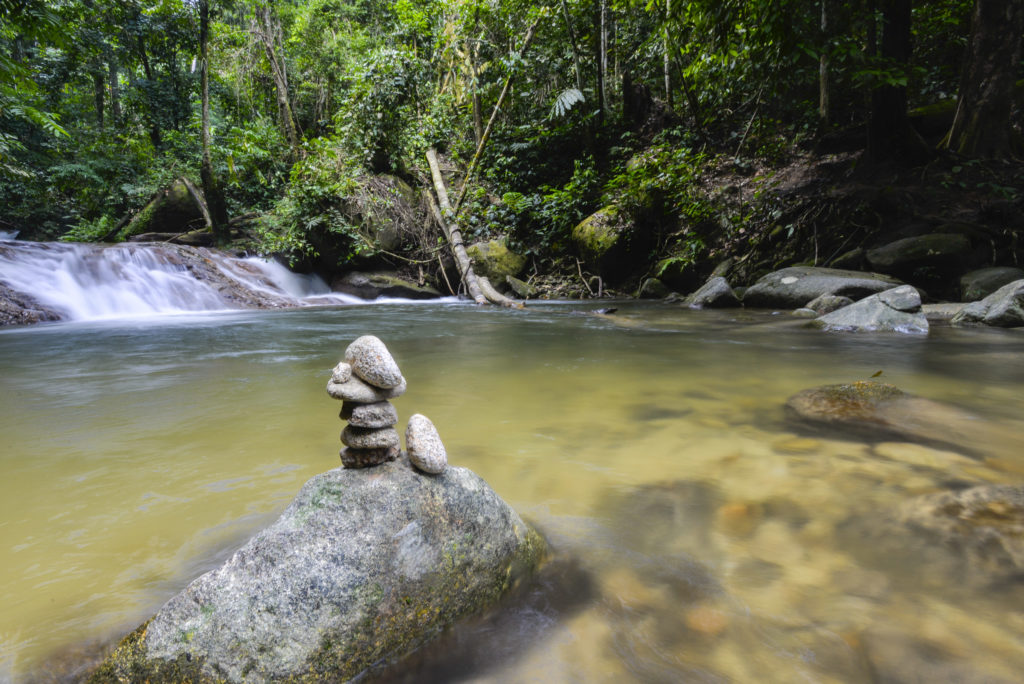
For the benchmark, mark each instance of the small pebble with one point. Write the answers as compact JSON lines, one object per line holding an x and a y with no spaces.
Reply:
{"x":341,"y":373}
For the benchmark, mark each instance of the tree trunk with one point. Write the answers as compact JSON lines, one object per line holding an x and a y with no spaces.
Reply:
{"x":452,"y":232}
{"x":114,"y":80}
{"x":268,"y":30}
{"x":981,"y":125}
{"x":667,"y":65}
{"x":575,"y":48}
{"x":890,"y":135}
{"x":824,"y":86}
{"x":490,"y":122}
{"x":154,"y":127}
{"x":217,"y":215}
{"x":99,"y":95}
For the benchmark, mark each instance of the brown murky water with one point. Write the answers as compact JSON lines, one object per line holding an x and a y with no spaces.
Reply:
{"x":698,"y":535}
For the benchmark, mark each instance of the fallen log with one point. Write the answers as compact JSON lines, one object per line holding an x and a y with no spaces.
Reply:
{"x":479,"y":288}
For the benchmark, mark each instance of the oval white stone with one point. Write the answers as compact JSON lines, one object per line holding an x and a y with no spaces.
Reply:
{"x":426,"y":451}
{"x":373,"y":363}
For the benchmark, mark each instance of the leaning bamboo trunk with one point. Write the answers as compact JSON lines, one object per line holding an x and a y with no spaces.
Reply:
{"x":480,"y":289}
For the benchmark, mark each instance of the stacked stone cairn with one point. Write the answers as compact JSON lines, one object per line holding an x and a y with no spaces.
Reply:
{"x":365,"y":381}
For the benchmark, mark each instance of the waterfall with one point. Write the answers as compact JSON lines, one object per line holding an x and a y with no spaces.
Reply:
{"x":87,"y":282}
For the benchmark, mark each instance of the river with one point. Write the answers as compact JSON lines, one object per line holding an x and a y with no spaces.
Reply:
{"x":696,"y":534}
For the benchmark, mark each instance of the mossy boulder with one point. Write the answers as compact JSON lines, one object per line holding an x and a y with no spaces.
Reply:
{"x":494,"y":261}
{"x":610,"y":243}
{"x":363,"y":567}
{"x":381,"y":284}
{"x":173,"y":210}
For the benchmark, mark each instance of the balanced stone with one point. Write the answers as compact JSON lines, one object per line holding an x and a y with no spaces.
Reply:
{"x":364,"y":458}
{"x":371,"y":361}
{"x":426,"y":451}
{"x":341,"y":373}
{"x":357,"y":391}
{"x":369,"y":438}
{"x":376,"y":415}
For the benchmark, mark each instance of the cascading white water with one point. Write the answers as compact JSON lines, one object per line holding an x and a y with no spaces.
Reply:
{"x":86,"y":282}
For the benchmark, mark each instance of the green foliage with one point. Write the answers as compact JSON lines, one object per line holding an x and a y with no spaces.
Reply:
{"x":90,"y":231}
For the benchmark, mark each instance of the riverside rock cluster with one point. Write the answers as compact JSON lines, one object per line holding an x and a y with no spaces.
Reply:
{"x":365,"y":381}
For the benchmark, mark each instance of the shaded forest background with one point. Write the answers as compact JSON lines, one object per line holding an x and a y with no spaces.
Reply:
{"x":766,"y":132}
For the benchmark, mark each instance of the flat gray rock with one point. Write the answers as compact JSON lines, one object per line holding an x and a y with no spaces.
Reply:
{"x":714,"y":294}
{"x":358,"y":392}
{"x":426,"y":451}
{"x":1003,"y":308}
{"x":373,"y":363}
{"x":370,"y":438}
{"x":366,"y":458}
{"x":895,"y":310}
{"x":376,"y":415}
{"x":363,"y":567}
{"x":794,"y":287}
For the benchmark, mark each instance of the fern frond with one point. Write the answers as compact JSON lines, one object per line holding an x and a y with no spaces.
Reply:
{"x":565,"y":101}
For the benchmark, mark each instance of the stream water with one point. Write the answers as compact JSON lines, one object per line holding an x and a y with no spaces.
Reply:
{"x":696,"y":534}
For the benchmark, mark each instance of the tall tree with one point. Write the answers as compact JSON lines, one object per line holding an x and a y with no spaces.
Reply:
{"x":890,"y":135}
{"x":211,"y":187}
{"x":981,"y":125}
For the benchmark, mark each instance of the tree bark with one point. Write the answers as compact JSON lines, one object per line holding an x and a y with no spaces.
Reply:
{"x":479,"y":288}
{"x":217,"y":214}
{"x":981,"y":125}
{"x":890,"y":135}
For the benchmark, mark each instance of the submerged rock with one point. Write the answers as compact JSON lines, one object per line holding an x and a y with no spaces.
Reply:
{"x":880,"y":412}
{"x":362,"y":568}
{"x":794,"y":287}
{"x":1003,"y":308}
{"x":895,"y":310}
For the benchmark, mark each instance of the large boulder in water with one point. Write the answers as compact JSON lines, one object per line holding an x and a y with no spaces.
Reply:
{"x":794,"y":287}
{"x":895,"y":310}
{"x":362,"y":568}
{"x":1003,"y":308}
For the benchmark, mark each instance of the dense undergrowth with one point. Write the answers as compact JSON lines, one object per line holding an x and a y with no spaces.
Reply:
{"x":740,"y":130}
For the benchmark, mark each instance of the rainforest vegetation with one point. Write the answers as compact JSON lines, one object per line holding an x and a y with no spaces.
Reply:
{"x":765,"y":131}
